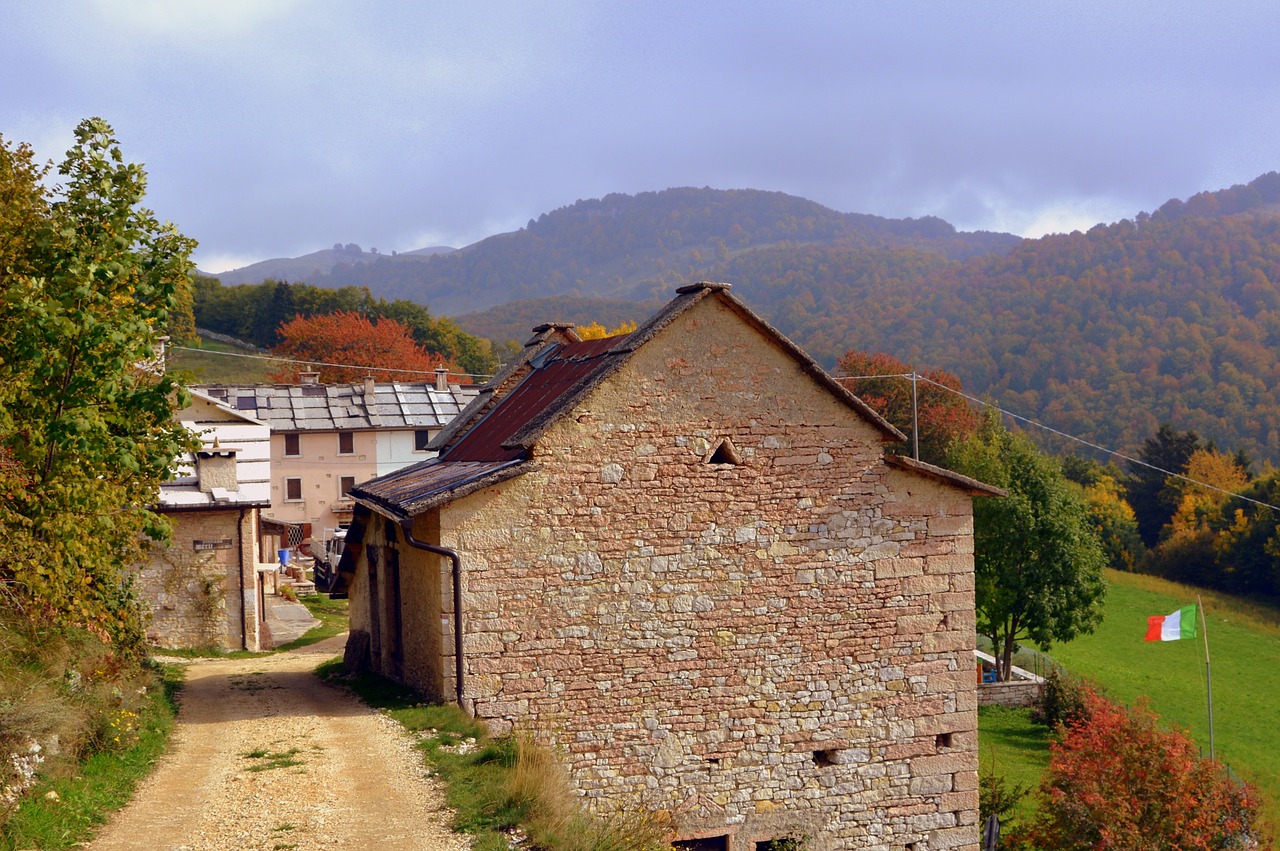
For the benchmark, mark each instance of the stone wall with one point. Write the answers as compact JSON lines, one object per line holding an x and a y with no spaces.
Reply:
{"x":194,"y":595}
{"x":780,"y":647}
{"x":1013,"y":693}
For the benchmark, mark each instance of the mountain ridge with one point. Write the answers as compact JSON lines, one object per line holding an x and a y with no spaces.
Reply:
{"x":1169,"y":316}
{"x":619,"y":246}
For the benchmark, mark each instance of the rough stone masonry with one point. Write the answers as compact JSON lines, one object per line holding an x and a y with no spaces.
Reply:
{"x":717,"y":598}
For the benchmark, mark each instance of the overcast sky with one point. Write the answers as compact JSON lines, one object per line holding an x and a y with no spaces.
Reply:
{"x":272,"y":128}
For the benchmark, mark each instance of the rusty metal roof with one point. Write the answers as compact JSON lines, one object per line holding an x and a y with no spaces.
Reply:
{"x":481,"y":457}
{"x":556,"y":372}
{"x":408,"y":492}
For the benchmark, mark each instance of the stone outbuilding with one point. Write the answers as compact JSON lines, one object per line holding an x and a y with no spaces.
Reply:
{"x":683,"y":559}
{"x":204,"y":589}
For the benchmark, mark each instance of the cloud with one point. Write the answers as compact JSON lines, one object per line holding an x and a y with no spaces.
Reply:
{"x":201,"y":19}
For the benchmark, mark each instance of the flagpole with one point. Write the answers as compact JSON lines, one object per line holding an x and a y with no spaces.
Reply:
{"x":1208,"y":678}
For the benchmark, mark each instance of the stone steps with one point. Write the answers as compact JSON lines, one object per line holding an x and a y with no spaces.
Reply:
{"x":299,"y":586}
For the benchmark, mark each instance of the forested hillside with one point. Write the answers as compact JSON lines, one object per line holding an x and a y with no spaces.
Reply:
{"x":1171,"y":316}
{"x":1104,"y":334}
{"x":640,"y":247}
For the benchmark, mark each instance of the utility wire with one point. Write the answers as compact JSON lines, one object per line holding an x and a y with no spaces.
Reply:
{"x":324,"y":363}
{"x":1080,"y":440}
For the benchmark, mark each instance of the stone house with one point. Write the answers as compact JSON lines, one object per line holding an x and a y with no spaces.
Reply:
{"x":682,"y":558}
{"x":204,"y":589}
{"x":327,"y":437}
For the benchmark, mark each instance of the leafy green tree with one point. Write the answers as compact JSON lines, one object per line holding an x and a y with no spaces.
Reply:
{"x":86,"y":421}
{"x":1038,"y":561}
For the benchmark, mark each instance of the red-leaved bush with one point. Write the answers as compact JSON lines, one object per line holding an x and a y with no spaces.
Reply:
{"x":1118,"y":780}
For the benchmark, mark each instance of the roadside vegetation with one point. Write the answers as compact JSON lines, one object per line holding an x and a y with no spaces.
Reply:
{"x":90,"y":281}
{"x":78,"y":731}
{"x":501,"y":788}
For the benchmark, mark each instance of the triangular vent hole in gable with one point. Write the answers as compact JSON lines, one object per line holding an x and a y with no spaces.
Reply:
{"x":725,"y":453}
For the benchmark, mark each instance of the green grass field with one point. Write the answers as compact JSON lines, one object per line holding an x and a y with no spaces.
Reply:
{"x":1244,"y":647}
{"x":1012,"y":747}
{"x":219,"y":363}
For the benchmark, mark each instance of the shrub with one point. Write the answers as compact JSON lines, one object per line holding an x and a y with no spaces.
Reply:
{"x":998,"y":798}
{"x":1118,"y":780}
{"x":1062,"y":701}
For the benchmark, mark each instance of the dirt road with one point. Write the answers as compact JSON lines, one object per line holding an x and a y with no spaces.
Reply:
{"x":265,"y":756}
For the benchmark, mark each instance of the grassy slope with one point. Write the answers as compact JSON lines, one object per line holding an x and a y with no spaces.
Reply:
{"x":1012,"y":747}
{"x":1244,"y":643}
{"x":99,"y":786}
{"x":210,"y":367}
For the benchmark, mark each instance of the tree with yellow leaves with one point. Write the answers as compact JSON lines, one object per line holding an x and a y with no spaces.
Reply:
{"x":596,"y":331}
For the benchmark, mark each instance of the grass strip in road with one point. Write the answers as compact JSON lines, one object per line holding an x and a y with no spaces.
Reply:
{"x":61,"y":813}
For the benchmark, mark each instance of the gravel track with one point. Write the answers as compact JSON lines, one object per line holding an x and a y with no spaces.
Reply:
{"x":358,"y":782}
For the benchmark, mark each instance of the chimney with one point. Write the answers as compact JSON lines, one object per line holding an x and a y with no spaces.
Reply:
{"x":442,"y":378}
{"x":216,"y":468}
{"x":308,"y":378}
{"x":156,"y":364}
{"x":369,"y":385}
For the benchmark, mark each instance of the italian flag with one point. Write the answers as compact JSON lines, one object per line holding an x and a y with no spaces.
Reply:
{"x":1180,"y":624}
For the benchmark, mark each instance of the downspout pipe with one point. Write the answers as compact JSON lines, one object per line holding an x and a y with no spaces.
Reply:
{"x":406,"y":526}
{"x":244,"y":620}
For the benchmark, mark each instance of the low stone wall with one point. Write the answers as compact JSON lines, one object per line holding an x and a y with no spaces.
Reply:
{"x":1014,"y":693}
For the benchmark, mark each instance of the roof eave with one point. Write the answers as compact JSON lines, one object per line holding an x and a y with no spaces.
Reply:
{"x":410,"y":509}
{"x":972,"y":486}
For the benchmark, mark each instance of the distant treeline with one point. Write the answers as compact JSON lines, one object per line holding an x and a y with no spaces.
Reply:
{"x":254,"y":313}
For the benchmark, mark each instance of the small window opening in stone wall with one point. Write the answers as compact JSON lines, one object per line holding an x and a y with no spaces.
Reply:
{"x":785,"y":843}
{"x":706,"y":843}
{"x":725,"y":453}
{"x":822,"y":759}
{"x":943,"y":742}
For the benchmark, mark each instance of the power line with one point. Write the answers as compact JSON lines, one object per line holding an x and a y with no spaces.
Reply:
{"x":1080,"y":440}
{"x":325,"y":363}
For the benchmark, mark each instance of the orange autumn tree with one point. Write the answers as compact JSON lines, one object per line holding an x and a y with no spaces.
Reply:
{"x":596,"y":331}
{"x":944,"y":417}
{"x":358,"y":345}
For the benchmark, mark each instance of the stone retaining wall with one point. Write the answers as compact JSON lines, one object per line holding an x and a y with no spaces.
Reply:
{"x":1015,"y":693}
